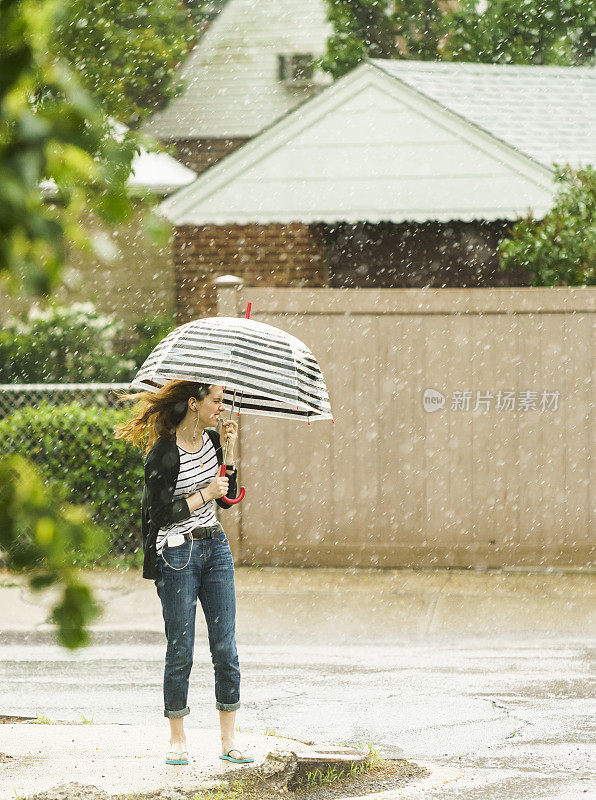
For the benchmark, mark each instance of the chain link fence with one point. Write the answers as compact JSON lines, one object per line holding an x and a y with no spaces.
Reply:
{"x":15,"y":398}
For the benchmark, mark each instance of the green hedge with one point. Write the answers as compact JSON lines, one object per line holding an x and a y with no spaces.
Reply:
{"x":75,"y":448}
{"x":76,"y":344}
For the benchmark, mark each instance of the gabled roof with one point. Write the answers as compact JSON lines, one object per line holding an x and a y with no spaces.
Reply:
{"x":548,"y":113}
{"x":233,"y":89}
{"x":368,"y":148}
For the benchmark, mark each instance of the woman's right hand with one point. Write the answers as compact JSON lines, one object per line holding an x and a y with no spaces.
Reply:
{"x":218,"y":487}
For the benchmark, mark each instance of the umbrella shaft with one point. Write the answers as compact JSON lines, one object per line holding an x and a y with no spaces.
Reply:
{"x":225,"y":459}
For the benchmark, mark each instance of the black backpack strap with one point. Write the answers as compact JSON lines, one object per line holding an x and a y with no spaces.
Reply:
{"x":233,"y":487}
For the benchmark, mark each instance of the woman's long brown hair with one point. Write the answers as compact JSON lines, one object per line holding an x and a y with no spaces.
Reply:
{"x":161,"y":412}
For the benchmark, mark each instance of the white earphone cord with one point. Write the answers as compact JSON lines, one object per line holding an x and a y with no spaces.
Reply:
{"x":167,"y":562}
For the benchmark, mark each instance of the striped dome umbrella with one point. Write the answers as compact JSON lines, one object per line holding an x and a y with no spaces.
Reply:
{"x":275,"y":373}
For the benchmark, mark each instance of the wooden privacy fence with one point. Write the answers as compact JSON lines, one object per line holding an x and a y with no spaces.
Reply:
{"x":464,"y":431}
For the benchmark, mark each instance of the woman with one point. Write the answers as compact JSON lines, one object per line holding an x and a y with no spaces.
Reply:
{"x":186,"y":551}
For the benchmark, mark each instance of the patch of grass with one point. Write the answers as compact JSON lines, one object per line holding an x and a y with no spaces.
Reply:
{"x":318,"y":777}
{"x":43,"y":720}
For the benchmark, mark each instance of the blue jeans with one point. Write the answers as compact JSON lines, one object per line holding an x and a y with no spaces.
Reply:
{"x":209,"y":575}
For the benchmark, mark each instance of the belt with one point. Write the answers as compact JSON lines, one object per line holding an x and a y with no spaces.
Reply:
{"x":205,"y":532}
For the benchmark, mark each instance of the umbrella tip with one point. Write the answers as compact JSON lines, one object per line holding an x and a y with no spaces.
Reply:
{"x":332,"y":420}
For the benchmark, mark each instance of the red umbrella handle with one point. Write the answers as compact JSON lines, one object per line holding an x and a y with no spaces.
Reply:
{"x":232,"y":502}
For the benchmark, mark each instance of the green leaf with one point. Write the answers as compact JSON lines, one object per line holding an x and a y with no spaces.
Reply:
{"x":43,"y":580}
{"x":73,"y":614}
{"x":12,"y":65}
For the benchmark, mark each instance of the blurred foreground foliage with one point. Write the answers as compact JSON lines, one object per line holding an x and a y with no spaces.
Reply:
{"x":497,"y":32}
{"x":75,"y":452}
{"x":76,"y":344}
{"x":560,"y":249}
{"x":52,"y":130}
{"x":47,"y":537}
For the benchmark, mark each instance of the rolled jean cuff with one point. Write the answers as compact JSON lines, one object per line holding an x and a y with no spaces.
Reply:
{"x":176,"y":714}
{"x":227,"y":706}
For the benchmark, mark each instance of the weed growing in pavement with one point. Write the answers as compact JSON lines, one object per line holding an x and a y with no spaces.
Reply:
{"x":43,"y":720}
{"x":317,"y":778}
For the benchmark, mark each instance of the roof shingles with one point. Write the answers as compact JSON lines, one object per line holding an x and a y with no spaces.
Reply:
{"x":548,"y":113}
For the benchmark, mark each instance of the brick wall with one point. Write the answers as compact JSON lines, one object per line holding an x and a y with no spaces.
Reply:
{"x":415,"y":255}
{"x":200,"y":154}
{"x":455,"y":254}
{"x":263,"y":255}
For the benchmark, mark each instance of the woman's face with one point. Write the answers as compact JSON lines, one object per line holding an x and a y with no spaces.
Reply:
{"x":211,"y":407}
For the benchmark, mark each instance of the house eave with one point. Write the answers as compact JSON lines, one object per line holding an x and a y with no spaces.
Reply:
{"x":411,"y":216}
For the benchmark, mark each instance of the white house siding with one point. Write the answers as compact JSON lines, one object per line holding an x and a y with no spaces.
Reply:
{"x":369,"y":148}
{"x":232,"y":74}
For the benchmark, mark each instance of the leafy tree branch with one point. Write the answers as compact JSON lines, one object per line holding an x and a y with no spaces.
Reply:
{"x":559,"y":250}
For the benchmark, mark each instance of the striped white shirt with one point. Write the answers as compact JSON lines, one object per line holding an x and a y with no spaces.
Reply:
{"x":197,"y":470}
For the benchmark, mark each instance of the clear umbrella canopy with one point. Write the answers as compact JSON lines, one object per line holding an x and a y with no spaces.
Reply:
{"x":274,"y":372}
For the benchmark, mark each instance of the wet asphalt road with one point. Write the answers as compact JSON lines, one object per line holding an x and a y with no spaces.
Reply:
{"x":488,"y":673}
{"x":516,"y":717}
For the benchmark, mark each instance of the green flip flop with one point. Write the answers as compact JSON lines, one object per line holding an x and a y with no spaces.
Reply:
{"x":174,"y":757}
{"x":228,"y":757}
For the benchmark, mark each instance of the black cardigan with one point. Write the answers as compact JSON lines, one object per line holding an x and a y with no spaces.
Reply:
{"x":159,"y":508}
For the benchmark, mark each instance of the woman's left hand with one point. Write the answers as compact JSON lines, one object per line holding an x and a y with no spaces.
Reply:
{"x":229,"y":433}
